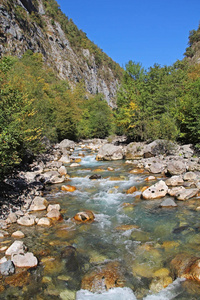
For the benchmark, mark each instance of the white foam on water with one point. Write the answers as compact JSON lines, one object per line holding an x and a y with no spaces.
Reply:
{"x":112,"y":294}
{"x":107,"y":198}
{"x":103,"y":220}
{"x":169,"y":292}
{"x":89,"y":160}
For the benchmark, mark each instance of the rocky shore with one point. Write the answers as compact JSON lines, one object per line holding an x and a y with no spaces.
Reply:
{"x":180,"y":164}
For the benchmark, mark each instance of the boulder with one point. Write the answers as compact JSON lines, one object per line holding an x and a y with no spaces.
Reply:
{"x":158,"y":147}
{"x":156,"y":168}
{"x":110,"y":152}
{"x":66,"y":144}
{"x":175,"y":190}
{"x":176,"y":167}
{"x":17,"y":246}
{"x":190,"y":176}
{"x":24,"y":260}
{"x":38,"y":203}
{"x":7,"y":268}
{"x":26,"y":220}
{"x":84,"y":216}
{"x":155,"y":191}
{"x":186,"y":194}
{"x":175,"y":180}
{"x":134,"y":150}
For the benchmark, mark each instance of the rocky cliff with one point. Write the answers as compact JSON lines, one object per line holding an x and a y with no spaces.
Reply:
{"x":39,"y":25}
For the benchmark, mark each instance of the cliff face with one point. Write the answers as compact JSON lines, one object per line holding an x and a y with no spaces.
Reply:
{"x":192,"y":54}
{"x":26,"y":24}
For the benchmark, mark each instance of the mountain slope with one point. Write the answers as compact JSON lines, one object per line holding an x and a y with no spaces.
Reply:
{"x":39,"y":25}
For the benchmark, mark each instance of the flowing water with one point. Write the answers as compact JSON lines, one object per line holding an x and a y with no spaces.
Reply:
{"x":137,"y":233}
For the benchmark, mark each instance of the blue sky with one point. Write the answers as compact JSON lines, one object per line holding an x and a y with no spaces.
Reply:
{"x":145,"y":31}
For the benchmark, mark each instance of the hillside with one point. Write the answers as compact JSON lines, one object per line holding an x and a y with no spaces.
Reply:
{"x":40,"y":26}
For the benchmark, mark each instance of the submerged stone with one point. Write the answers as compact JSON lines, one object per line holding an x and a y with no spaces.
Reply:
{"x":84,"y":216}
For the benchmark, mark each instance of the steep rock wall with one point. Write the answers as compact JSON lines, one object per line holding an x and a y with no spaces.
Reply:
{"x":20,"y":31}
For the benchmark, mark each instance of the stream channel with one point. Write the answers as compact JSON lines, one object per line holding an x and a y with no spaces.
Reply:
{"x":67,"y":251}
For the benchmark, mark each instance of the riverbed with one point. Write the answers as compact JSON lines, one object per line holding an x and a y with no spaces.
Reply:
{"x":138,"y":234}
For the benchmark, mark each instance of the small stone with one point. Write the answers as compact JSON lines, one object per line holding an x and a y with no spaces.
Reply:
{"x":17,"y":246}
{"x":74,"y":165}
{"x":62,"y":170}
{"x":95,"y":176}
{"x":39,"y":203}
{"x":84,"y":216}
{"x":168,"y":203}
{"x":149,"y":178}
{"x":18,"y":234}
{"x":26,"y":220}
{"x":12,"y":218}
{"x":53,"y":206}
{"x":68,"y":294}
{"x":44,"y":222}
{"x":54,"y":214}
{"x":4,"y":248}
{"x":68,"y":188}
{"x":24,"y":260}
{"x":131,"y":190}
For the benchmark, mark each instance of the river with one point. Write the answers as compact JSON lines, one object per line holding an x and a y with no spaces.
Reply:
{"x":139,"y":235}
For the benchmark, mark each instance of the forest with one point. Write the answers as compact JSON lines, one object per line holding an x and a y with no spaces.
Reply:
{"x":161,"y":102}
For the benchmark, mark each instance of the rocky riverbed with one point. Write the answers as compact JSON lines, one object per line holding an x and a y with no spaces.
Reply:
{"x":170,"y":173}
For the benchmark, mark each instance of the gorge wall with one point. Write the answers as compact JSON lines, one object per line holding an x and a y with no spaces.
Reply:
{"x":29,"y":24}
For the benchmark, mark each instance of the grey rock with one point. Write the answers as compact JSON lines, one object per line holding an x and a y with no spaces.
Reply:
{"x":190,"y":176}
{"x":176,"y":167}
{"x":7,"y":268}
{"x":168,"y":203}
{"x":174,"y":180}
{"x":186,"y":194}
{"x":110,"y":152}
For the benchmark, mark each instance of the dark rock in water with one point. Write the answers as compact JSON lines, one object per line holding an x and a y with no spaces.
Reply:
{"x":180,"y":229}
{"x":7,"y":268}
{"x":72,"y":261}
{"x":95,"y":176}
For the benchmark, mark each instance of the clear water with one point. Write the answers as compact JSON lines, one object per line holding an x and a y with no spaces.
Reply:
{"x":141,"y":250}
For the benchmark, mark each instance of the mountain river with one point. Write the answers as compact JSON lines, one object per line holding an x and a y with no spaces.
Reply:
{"x":136,"y":234}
